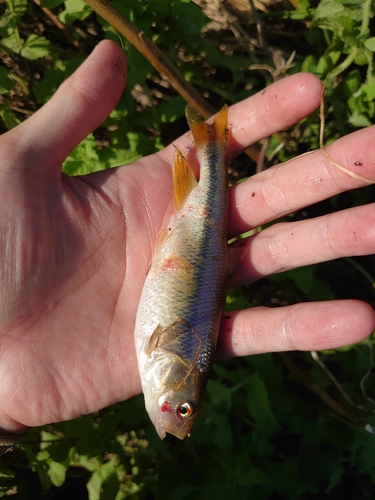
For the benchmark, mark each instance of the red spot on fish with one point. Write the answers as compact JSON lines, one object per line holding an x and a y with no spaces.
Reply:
{"x":175,"y":262}
{"x":164,"y":407}
{"x":169,"y":263}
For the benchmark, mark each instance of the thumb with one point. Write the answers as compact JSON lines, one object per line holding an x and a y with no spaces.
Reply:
{"x":78,"y":107}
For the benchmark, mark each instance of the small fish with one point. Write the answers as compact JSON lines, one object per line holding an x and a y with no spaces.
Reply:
{"x":183,"y":297}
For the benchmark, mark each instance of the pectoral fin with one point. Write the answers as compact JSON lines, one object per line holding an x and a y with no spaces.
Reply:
{"x":154,"y":339}
{"x":162,"y":336}
{"x":159,"y":243}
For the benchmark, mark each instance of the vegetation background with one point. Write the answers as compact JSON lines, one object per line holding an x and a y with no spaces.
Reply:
{"x":273,"y":426}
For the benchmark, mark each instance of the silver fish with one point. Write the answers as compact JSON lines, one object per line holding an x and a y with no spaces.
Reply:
{"x":183,"y":297}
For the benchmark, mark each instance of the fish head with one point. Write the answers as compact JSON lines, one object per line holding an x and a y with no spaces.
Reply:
{"x":173,"y":410}
{"x":176,"y":413}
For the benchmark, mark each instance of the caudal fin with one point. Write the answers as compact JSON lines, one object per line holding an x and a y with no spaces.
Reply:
{"x":204,"y":133}
{"x":183,"y":177}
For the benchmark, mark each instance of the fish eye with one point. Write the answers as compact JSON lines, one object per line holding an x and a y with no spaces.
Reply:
{"x":185,"y":410}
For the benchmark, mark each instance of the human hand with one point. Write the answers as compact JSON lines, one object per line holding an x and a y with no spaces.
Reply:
{"x":75,"y":251}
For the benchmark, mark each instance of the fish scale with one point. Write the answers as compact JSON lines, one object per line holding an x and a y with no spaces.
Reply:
{"x":183,"y":297}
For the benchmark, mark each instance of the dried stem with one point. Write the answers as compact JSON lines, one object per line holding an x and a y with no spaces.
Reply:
{"x":152,"y":53}
{"x":158,"y":60}
{"x":56,"y":21}
{"x":304,"y":378}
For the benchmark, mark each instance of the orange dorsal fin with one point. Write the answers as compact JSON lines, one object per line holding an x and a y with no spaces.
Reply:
{"x":184,"y":180}
{"x":203,"y":132}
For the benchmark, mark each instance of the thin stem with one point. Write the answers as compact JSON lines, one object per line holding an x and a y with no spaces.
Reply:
{"x":152,"y":53}
{"x":345,"y":63}
{"x":366,"y":17}
{"x":362,"y":270}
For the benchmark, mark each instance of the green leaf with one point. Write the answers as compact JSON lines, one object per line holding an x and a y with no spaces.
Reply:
{"x":5,"y":473}
{"x":45,"y":89}
{"x":324,"y":66}
{"x":51,"y":4}
{"x":359,"y":120}
{"x":369,"y":90}
{"x":74,"y":10}
{"x":113,"y":157}
{"x":303,"y":277}
{"x":236,"y":300}
{"x":8,"y":21}
{"x":370,"y":44}
{"x":56,"y":473}
{"x":169,"y":111}
{"x":352,"y":82}
{"x":83,"y":159}
{"x":35,"y":47}
{"x":241,"y":470}
{"x":189,"y":17}
{"x":105,"y":473}
{"x":258,"y":404}
{"x":6,"y":84}
{"x":9,"y":118}
{"x":13,"y":42}
{"x":17,"y":7}
{"x":336,"y":473}
{"x":220,"y":395}
{"x":332,"y":9}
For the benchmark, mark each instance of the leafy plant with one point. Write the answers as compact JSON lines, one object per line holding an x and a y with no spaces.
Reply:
{"x":271,"y":426}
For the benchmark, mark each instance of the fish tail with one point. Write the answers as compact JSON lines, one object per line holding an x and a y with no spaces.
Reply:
{"x":205,"y":133}
{"x":221,"y":126}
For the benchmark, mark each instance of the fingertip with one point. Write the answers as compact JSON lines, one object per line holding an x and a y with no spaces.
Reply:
{"x":333,"y":324}
{"x":100,"y":80}
{"x":287,"y":101}
{"x":361,"y":324}
{"x":108,"y":50}
{"x":275,"y":108}
{"x":307,"y":84}
{"x":79,"y":106}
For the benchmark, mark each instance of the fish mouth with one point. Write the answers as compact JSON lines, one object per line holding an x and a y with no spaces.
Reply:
{"x":178,"y":433}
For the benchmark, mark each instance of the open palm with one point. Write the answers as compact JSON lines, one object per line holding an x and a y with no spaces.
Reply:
{"x":75,"y":251}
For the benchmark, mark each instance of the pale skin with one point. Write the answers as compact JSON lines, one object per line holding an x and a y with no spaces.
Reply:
{"x":75,"y":251}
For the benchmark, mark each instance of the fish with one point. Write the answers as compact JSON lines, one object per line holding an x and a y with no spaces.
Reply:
{"x":183,"y":297}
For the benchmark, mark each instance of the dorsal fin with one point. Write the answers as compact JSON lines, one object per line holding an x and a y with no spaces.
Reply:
{"x":184,"y":180}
